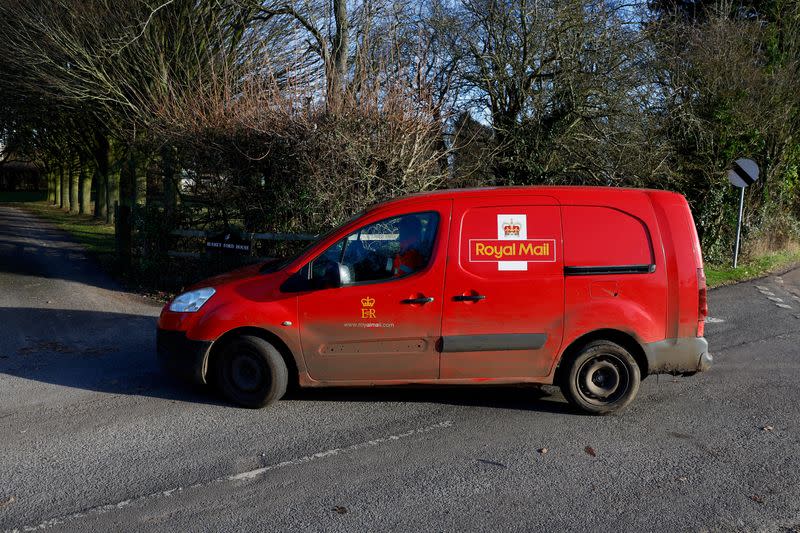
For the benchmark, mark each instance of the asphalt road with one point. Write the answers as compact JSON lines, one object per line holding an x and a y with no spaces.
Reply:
{"x":94,"y":437}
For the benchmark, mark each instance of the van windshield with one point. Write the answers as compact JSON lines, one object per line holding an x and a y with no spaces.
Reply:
{"x":280,"y":264}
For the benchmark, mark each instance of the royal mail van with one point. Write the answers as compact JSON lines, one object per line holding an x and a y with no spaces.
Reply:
{"x":588,"y":288}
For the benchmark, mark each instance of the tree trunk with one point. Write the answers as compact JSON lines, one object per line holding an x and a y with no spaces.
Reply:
{"x":99,"y":193}
{"x":101,"y":176}
{"x":139,"y":196}
{"x":112,"y":195}
{"x":51,"y":187}
{"x":73,"y":187}
{"x":168,"y":177}
{"x":123,"y":229}
{"x":64,"y":178}
{"x":338,"y":71}
{"x":85,"y":188}
{"x":56,"y":189}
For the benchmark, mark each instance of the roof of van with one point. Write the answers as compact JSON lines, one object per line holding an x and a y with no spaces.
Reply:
{"x":559,"y":192}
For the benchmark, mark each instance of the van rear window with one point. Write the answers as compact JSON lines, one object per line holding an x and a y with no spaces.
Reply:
{"x":602,"y":236}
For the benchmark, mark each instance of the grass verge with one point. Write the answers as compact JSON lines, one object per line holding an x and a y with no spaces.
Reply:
{"x":717,"y":276}
{"x":95,"y":235}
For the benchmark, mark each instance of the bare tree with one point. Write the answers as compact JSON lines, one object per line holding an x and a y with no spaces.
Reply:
{"x":559,"y":79}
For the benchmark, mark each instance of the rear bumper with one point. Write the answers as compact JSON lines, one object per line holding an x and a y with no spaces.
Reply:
{"x":678,"y":356}
{"x":181,"y":356}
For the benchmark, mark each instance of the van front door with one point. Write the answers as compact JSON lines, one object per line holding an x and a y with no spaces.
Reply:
{"x":504,"y":291}
{"x":384,"y":322}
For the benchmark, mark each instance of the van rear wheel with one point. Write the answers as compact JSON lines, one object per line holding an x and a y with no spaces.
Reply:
{"x":251,"y":372}
{"x":602,"y":379}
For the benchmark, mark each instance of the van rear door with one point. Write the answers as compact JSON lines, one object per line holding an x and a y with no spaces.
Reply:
{"x":504,"y":289}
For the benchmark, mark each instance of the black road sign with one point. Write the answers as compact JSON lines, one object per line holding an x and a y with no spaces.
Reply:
{"x":743,"y":173}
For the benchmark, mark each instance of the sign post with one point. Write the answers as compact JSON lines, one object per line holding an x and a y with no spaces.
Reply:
{"x":743,"y":173}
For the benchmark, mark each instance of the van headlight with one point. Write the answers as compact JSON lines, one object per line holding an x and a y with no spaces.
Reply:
{"x":191,"y":301}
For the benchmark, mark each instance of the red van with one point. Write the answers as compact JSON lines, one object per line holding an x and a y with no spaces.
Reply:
{"x":589,"y":288}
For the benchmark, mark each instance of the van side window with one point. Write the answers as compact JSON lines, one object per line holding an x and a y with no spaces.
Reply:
{"x":602,"y":236}
{"x":387,"y":249}
{"x":327,"y":260}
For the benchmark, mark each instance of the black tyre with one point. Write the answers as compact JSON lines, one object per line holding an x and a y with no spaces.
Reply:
{"x":603,"y":378}
{"x":251,"y":372}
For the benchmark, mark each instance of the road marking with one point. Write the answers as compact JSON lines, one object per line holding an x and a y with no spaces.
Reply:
{"x":762,"y":288}
{"x":714,"y":320}
{"x":775,"y":299}
{"x":767,"y":293}
{"x":333,"y":452}
{"x":244,"y":476}
{"x":784,"y":306}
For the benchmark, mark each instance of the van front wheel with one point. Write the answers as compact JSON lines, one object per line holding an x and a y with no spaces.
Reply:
{"x":604,"y":378}
{"x":251,"y":371}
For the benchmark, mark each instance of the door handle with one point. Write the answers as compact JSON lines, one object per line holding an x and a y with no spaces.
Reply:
{"x":420,"y":300}
{"x":469,"y":297}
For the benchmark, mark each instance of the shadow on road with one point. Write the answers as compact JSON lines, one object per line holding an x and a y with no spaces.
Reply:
{"x":114,"y":353}
{"x":97,"y":351}
{"x":522,"y":398}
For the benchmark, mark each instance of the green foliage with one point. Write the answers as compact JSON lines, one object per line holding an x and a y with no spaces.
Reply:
{"x":718,"y":275}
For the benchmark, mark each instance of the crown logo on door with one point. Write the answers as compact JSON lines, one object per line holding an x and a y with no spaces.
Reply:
{"x":367,"y":302}
{"x":511,"y":229}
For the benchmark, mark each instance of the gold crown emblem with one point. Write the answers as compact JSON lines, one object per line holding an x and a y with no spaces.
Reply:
{"x":509,"y":228}
{"x":367,"y":302}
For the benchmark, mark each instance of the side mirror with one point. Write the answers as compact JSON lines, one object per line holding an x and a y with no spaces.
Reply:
{"x":345,"y":275}
{"x":336,"y":275}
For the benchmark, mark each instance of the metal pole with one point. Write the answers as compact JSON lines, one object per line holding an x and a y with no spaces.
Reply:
{"x":738,"y":230}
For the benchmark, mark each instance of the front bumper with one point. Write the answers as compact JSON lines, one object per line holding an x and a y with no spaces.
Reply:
{"x":687,"y":355}
{"x":181,"y":356}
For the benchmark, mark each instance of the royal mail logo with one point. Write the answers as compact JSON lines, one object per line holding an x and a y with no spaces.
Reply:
{"x":498,"y":250}
{"x":367,"y":307}
{"x":511,"y":229}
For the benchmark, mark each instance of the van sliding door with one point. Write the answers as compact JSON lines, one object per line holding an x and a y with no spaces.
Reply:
{"x":504,"y":289}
